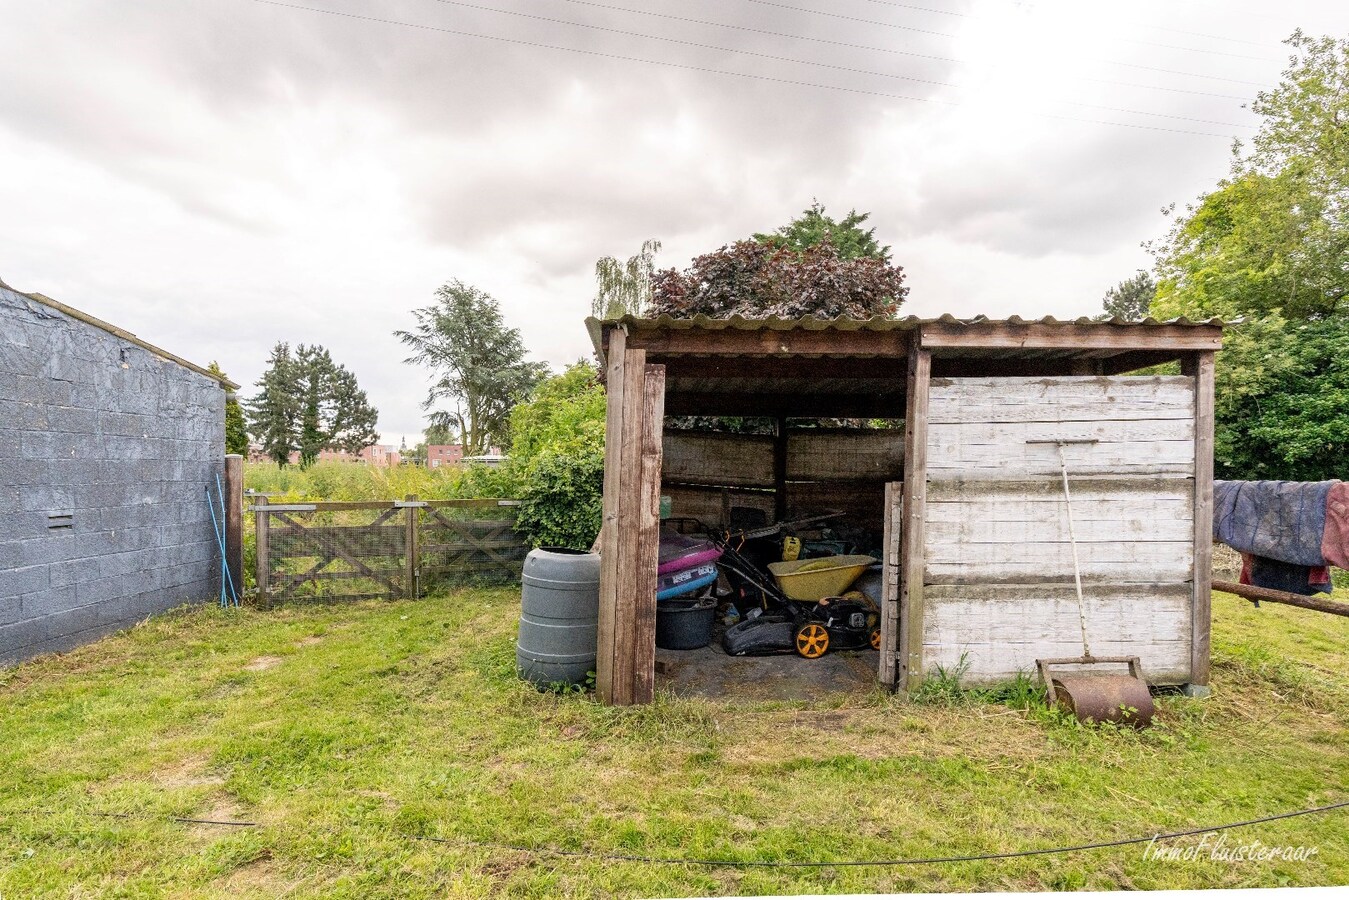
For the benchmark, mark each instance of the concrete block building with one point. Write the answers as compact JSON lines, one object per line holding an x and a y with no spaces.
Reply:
{"x":107,"y":444}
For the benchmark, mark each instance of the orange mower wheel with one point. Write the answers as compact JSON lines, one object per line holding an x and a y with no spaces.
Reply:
{"x":876,"y":639}
{"x":812,"y":641}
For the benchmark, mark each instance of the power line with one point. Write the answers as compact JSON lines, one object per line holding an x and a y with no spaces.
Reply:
{"x":806,"y":62}
{"x":892,"y":50}
{"x":941,"y":12}
{"x":671,"y":40}
{"x":1190,"y":74}
{"x":948,"y":12}
{"x":709,"y":70}
{"x":833,"y":15}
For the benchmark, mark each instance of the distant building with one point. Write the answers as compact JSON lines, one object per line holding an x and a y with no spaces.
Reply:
{"x":493,"y":459}
{"x":438,"y":455}
{"x":373,"y":455}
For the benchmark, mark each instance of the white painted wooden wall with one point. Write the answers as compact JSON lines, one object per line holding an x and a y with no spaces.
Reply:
{"x":999,"y":569}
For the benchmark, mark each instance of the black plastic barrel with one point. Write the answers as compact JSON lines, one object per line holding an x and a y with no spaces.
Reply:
{"x":685,"y":623}
{"x":559,"y":616}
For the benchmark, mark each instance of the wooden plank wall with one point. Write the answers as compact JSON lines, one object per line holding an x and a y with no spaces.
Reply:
{"x":998,"y":569}
{"x":705,"y":472}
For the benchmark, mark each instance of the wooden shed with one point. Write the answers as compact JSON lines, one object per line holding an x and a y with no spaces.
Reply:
{"x":978,"y":564}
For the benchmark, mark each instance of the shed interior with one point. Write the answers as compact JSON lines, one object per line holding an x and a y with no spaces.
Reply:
{"x":666,"y":377}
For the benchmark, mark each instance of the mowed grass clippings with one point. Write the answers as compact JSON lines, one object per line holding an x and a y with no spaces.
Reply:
{"x":387,"y":750}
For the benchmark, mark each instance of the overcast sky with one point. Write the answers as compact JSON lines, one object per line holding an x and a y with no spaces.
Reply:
{"x":220,"y":175}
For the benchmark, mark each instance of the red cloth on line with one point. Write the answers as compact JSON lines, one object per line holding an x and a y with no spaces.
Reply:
{"x":1316,"y":575}
{"x":1335,"y":538}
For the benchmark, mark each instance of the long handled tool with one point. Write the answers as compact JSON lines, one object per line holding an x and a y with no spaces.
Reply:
{"x":1091,"y":696}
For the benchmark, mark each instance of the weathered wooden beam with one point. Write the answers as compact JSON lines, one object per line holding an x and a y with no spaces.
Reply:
{"x":914,"y":502}
{"x":411,"y":515}
{"x":892,"y":531}
{"x":614,"y":384}
{"x":628,"y":577}
{"x":1257,"y":594}
{"x":643,"y":628}
{"x":866,"y":403}
{"x":234,"y":521}
{"x":882,"y":371}
{"x":780,"y":469}
{"x":1071,"y":337}
{"x":1133,"y":360}
{"x":1199,"y":366}
{"x":768,"y":342}
{"x":261,"y":522}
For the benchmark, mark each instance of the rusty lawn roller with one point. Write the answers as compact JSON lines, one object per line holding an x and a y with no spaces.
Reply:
{"x":1090,"y":696}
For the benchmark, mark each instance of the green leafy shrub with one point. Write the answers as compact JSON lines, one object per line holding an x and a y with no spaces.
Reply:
{"x":560,"y":503}
{"x":557,"y":460}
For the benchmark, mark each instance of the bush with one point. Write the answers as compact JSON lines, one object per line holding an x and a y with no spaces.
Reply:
{"x":557,"y":460}
{"x":561,"y":500}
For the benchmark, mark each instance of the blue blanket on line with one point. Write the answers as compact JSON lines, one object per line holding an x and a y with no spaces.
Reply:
{"x":1282,"y":520}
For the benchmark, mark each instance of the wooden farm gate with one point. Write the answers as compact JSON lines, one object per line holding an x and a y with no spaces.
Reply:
{"x":382,"y":549}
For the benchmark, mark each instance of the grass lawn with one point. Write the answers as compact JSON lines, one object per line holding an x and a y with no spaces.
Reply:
{"x":352,"y":733}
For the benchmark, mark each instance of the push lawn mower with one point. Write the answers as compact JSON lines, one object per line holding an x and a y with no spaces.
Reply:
{"x":811,"y":628}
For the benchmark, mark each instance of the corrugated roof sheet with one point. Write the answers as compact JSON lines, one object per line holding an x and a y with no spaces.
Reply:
{"x":877,"y":323}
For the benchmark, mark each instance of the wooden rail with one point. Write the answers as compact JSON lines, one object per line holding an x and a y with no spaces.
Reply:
{"x":1256,"y":594}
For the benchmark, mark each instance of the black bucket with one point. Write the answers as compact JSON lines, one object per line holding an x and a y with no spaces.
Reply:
{"x":685,"y":623}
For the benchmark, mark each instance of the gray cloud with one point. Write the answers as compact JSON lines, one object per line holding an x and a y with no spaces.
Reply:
{"x":223,"y":174}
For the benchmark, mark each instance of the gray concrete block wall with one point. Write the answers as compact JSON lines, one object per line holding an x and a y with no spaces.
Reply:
{"x":122,"y":441}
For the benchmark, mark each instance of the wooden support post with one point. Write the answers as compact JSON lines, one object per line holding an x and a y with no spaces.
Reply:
{"x":410,"y":549}
{"x":261,"y":524}
{"x":643,"y":628}
{"x":234,"y":521}
{"x":912,"y":530}
{"x":614,"y":383}
{"x":628,"y":576}
{"x":890,"y":582}
{"x":780,"y":470}
{"x":1199,"y":366}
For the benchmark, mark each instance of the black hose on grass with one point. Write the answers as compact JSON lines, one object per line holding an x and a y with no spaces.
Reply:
{"x":764,"y":864}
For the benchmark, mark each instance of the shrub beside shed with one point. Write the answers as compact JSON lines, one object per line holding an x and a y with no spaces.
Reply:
{"x":968,"y":492}
{"x":106,"y":446}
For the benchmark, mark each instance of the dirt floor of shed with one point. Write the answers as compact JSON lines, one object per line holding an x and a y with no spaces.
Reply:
{"x":712,"y":673}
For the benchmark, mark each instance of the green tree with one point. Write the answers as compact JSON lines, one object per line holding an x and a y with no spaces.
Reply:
{"x":236,"y":431}
{"x":814,"y":226}
{"x":1282,"y":408}
{"x":1274,"y":235}
{"x":335,"y":413}
{"x":309,"y":403}
{"x":478,"y":364}
{"x":1271,"y":245}
{"x":1131,"y":298}
{"x":624,"y":288}
{"x":274,"y":411}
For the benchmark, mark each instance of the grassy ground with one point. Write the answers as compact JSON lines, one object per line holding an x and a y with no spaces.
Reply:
{"x":353,"y":733}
